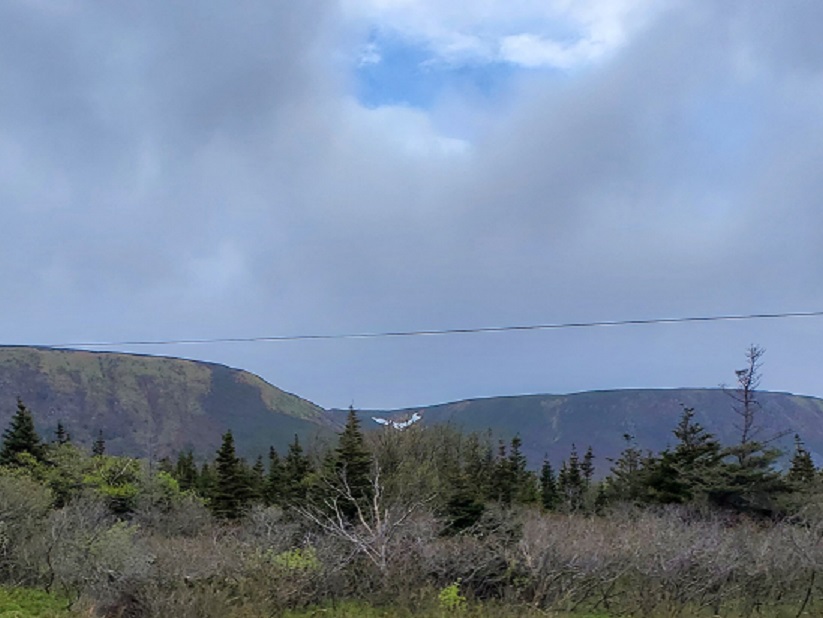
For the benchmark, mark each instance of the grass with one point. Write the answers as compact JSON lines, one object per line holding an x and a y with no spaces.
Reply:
{"x":29,"y":603}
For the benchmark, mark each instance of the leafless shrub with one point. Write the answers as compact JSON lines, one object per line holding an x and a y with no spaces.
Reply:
{"x":24,"y":508}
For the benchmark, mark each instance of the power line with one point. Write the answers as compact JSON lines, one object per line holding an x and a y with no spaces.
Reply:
{"x":445,"y":331}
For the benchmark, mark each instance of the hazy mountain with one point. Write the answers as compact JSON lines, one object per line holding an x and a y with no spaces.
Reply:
{"x":149,"y":405}
{"x":550,"y":424}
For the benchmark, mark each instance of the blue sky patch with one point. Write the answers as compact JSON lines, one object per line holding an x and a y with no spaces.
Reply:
{"x":407,"y":74}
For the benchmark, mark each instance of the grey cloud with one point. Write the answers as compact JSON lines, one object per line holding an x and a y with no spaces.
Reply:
{"x":171,"y":170}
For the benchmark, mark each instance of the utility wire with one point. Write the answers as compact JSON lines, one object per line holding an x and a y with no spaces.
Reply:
{"x":445,"y":331}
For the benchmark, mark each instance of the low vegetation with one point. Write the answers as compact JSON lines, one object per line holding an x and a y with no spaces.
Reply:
{"x":424,"y":522}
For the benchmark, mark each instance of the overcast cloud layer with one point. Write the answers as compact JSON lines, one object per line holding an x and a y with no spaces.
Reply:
{"x":194,"y":170}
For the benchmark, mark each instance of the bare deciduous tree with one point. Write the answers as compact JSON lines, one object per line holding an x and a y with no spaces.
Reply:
{"x":377,"y":523}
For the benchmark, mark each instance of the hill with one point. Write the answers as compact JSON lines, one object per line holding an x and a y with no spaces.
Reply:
{"x":550,"y":424}
{"x":150,"y":405}
{"x":157,"y":406}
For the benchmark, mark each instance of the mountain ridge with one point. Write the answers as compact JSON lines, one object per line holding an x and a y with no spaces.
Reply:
{"x":150,"y":405}
{"x":549,"y":424}
{"x":155,"y":406}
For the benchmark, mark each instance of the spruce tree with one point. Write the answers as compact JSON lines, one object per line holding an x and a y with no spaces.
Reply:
{"x":353,"y":462}
{"x":273,"y":492}
{"x":353,"y":465}
{"x":681,"y":475}
{"x":61,"y":436}
{"x":296,"y":467}
{"x":257,"y":480}
{"x":629,"y":473}
{"x":802,"y":471}
{"x":231,"y":491}
{"x":479,"y":465}
{"x":206,"y":481}
{"x":98,"y":449}
{"x":587,"y":468}
{"x":463,"y":506}
{"x":185,"y":471}
{"x":502,"y":477}
{"x":21,"y":437}
{"x":748,"y":482}
{"x":525,"y":489}
{"x":548,"y":486}
{"x":570,"y":483}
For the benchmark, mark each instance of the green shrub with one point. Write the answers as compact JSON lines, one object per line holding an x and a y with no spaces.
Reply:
{"x":450,"y":598}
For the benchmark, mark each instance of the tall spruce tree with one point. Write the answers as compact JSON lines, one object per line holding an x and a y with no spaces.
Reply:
{"x":21,"y":437}
{"x":273,"y":491}
{"x":185,"y":471}
{"x":681,"y":475}
{"x":296,"y":468}
{"x":748,"y":482}
{"x":587,"y":468}
{"x":802,"y":471}
{"x":353,"y":465}
{"x":548,"y":486}
{"x":231,"y":493}
{"x":628,"y":481}
{"x":524,"y":482}
{"x":502,"y":478}
{"x":570,"y":483}
{"x":257,"y":480}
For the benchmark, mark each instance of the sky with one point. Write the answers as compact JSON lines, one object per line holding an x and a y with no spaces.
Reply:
{"x":175,"y":170}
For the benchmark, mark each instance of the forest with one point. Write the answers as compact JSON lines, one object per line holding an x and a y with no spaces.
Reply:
{"x":426,"y":521}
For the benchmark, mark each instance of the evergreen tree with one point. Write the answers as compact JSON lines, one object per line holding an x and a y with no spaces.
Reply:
{"x":502,"y":478}
{"x":570,"y":484}
{"x":464,"y":508}
{"x":352,"y":460}
{"x":231,"y":493}
{"x":98,"y":449}
{"x":681,"y":475}
{"x":257,"y":480}
{"x":524,"y":486}
{"x":479,"y":465}
{"x":185,"y":471}
{"x":61,"y":436}
{"x":296,"y":468}
{"x":206,"y":481}
{"x":273,"y":491}
{"x":748,"y":481}
{"x":628,"y":481}
{"x":587,"y":468}
{"x":548,"y":486}
{"x":802,"y":471}
{"x":165,"y":465}
{"x":21,"y":437}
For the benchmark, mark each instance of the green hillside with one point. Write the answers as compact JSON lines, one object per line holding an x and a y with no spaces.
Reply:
{"x":550,"y":424}
{"x":149,"y":405}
